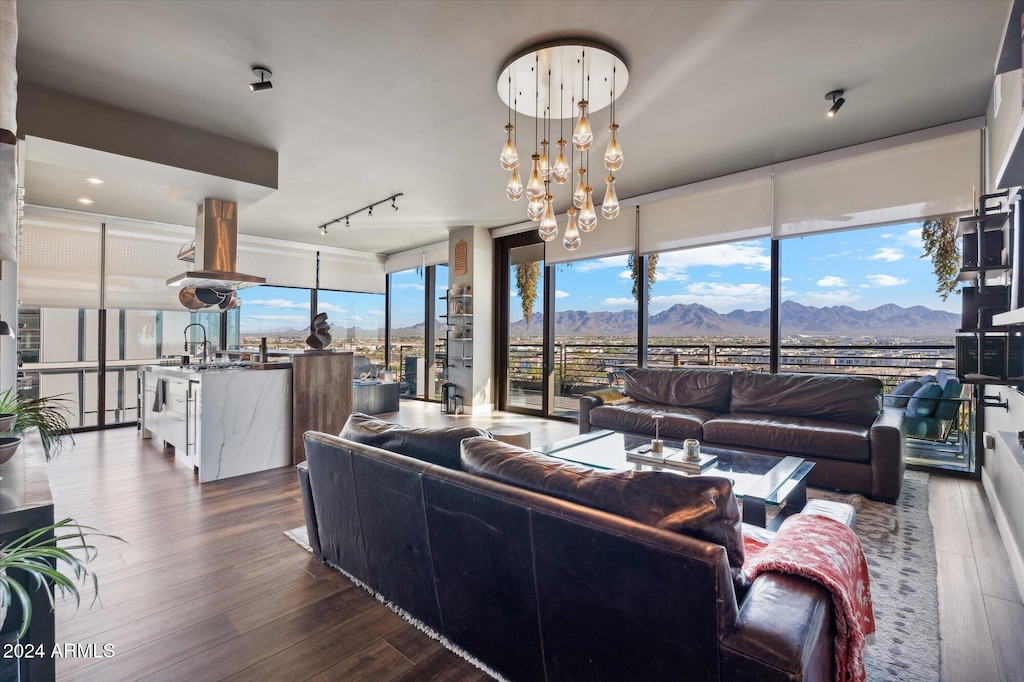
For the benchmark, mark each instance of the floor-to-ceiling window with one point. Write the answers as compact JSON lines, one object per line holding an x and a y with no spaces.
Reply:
{"x":709,"y":305}
{"x":407,"y":323}
{"x":357,"y":324}
{"x":278,"y":314}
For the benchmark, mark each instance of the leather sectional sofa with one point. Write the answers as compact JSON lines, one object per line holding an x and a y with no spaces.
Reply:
{"x":835,"y":421}
{"x":539,"y":586}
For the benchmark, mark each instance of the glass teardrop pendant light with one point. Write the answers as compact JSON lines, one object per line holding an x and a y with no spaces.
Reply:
{"x":582,"y":136}
{"x":509,"y":155}
{"x":535,"y":209}
{"x":613,"y":155}
{"x":545,"y":167}
{"x":588,"y":217}
{"x":514,"y":188}
{"x":571,"y":241}
{"x":610,"y":206}
{"x":535,"y":187}
{"x":548,"y":225}
{"x":561,"y":171}
{"x":581,"y":189}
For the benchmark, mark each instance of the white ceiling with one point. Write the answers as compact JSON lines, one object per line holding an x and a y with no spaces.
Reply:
{"x":373,"y":98}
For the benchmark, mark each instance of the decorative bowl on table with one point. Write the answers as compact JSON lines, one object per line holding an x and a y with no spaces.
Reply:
{"x":7,"y":420}
{"x":8,"y":446}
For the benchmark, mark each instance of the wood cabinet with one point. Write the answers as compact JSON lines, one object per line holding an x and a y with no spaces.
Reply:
{"x":321,"y":395}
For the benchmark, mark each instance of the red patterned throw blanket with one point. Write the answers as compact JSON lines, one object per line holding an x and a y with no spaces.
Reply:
{"x":827,"y":552}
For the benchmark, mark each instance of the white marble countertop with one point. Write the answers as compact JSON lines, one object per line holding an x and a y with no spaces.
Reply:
{"x":189,"y":372}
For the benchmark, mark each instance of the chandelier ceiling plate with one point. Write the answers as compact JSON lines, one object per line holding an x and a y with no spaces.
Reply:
{"x":569,"y":63}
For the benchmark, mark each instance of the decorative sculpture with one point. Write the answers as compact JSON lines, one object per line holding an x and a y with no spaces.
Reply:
{"x":319,"y":337}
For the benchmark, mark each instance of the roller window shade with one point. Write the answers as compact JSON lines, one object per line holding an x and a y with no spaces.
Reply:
{"x":349,"y":272}
{"x":728,"y":209}
{"x":140,"y":260}
{"x":59,"y":261}
{"x":852,"y":188}
{"x":609,"y":238}
{"x":432,"y":254}
{"x":283,"y":265}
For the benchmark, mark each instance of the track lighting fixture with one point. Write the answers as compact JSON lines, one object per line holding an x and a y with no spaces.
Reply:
{"x":264,"y":75}
{"x":837,"y":101}
{"x":368,"y":209}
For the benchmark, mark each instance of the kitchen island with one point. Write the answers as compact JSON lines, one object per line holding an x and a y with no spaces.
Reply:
{"x":222,"y":421}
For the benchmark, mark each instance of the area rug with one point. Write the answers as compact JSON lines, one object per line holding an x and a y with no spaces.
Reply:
{"x":900,"y":548}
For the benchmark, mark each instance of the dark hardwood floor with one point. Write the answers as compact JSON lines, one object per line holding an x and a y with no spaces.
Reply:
{"x":207,"y":586}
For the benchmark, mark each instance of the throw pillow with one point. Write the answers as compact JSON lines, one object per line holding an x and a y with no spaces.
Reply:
{"x":924,"y":401}
{"x":703,"y":507}
{"x":900,"y":396}
{"x":607,"y":396}
{"x":436,"y":446}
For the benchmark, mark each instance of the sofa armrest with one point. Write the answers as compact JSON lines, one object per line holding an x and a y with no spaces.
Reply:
{"x":888,"y":455}
{"x":312,"y":529}
{"x":587,"y":403}
{"x":784,"y":631}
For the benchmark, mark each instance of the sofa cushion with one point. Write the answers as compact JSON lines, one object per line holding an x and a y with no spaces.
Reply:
{"x":791,"y":435}
{"x":702,"y":388}
{"x":831,"y":397}
{"x":951,"y":389}
{"x":924,"y":401}
{"x":703,"y":507}
{"x":901,"y":394}
{"x":609,"y":396}
{"x":436,"y":446}
{"x":679,"y":423}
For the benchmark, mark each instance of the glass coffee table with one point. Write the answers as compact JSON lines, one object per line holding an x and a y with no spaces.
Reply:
{"x":758,"y":481}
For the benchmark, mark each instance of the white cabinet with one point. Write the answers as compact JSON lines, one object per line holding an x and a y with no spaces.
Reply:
{"x":221,"y":422}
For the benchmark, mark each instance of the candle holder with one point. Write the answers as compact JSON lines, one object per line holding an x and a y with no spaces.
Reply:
{"x":657,"y":445}
{"x":691,"y":450}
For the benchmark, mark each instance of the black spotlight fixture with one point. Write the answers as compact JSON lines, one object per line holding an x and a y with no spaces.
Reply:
{"x":264,"y":81}
{"x":837,"y":101}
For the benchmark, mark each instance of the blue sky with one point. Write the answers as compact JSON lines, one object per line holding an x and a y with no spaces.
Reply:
{"x":860,"y":268}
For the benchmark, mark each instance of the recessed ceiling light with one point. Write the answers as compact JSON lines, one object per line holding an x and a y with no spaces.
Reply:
{"x":85,"y":200}
{"x":94,"y":181}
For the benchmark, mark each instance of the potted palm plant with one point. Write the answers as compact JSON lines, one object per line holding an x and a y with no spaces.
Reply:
{"x":57,"y":554}
{"x":48,"y":415}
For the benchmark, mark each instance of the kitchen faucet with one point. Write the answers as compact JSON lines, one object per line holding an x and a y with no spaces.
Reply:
{"x":204,"y":344}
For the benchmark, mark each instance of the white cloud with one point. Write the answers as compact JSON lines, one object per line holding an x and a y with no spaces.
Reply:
{"x":887,"y":254}
{"x":826,"y":298}
{"x":331,"y":308}
{"x":720,"y":296}
{"x":561,"y":294}
{"x":831,"y":281}
{"x":672,"y":266}
{"x":600,"y":264}
{"x":279,"y":303}
{"x":885,"y":280}
{"x":410,"y":285}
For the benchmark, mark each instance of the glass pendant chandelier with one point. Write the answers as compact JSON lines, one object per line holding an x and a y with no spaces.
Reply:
{"x":581,"y":189}
{"x":582,"y":135}
{"x":571,"y":240}
{"x":514,"y":188}
{"x":613,"y":155}
{"x":548,"y":225}
{"x":561,"y":171}
{"x":509,"y":155}
{"x":562,"y":70}
{"x":610,"y":205}
{"x":588,"y":217}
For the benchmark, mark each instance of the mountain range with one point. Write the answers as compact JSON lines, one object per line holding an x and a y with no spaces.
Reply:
{"x":695,"y":320}
{"x":700,"y":321}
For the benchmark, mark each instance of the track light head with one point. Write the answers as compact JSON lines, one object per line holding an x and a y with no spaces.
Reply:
{"x":369,"y":213}
{"x":837,"y":102}
{"x":346,"y":221}
{"x":264,"y":75}
{"x":323,"y":230}
{"x":393,"y":203}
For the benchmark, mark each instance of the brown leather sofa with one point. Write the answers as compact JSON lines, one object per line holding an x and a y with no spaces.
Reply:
{"x":835,"y":421}
{"x":542,"y":588}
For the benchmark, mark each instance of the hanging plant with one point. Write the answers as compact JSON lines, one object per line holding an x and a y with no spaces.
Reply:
{"x":652,"y":275}
{"x":527,"y":275}
{"x":940,"y":244}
